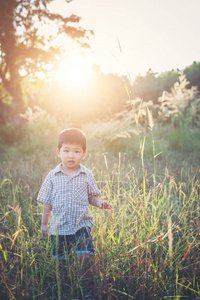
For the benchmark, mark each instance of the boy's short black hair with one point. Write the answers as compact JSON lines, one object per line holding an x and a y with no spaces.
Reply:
{"x":72,"y":136}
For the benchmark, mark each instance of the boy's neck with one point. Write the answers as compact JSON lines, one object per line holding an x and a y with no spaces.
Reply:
{"x":69,"y":172}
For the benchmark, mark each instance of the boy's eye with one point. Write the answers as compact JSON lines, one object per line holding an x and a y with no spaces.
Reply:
{"x":77,"y":151}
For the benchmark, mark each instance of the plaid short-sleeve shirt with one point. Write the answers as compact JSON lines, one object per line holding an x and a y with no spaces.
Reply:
{"x":69,"y":197}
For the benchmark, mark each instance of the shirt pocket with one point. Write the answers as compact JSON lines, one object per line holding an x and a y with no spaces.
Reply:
{"x":81,"y":195}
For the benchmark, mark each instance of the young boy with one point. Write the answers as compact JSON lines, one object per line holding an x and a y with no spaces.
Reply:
{"x":66,"y":193}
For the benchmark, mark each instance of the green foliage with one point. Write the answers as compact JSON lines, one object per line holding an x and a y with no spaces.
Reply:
{"x":151,"y":86}
{"x":146,"y":87}
{"x":192,"y":73}
{"x":168,"y":79}
{"x":185,"y":140}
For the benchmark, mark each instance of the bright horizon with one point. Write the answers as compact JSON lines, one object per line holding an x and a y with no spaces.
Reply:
{"x":161,"y":35}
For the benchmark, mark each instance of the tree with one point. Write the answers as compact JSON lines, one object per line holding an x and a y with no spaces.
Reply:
{"x":151,"y":86}
{"x":193,"y":74}
{"x":23,"y":51}
{"x":147,"y":87}
{"x":168,"y":78}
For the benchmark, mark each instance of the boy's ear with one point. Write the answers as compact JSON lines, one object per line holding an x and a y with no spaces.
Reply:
{"x":58,"y":152}
{"x":84,"y":154}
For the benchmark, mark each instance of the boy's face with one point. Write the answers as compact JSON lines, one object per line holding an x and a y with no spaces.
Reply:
{"x":71,"y":156}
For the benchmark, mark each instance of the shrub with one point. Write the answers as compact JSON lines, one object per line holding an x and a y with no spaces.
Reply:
{"x":182,"y":105}
{"x":184,"y":139}
{"x":120,"y":132}
{"x":10,"y":134}
{"x":41,"y":130}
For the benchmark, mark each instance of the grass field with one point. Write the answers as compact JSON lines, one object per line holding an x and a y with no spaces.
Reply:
{"x":147,"y":248}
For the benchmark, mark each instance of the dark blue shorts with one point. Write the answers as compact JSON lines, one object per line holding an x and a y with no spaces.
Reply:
{"x":80,"y":243}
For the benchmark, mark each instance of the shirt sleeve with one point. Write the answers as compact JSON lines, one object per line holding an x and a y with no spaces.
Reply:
{"x":45,"y":193}
{"x":92,"y":187}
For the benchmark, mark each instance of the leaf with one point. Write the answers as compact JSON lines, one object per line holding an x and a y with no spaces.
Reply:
{"x":142,"y":149}
{"x":157,"y":154}
{"x":187,"y":253}
{"x":5,"y":255}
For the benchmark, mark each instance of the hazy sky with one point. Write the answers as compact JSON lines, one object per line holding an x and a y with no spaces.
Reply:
{"x":157,"y":34}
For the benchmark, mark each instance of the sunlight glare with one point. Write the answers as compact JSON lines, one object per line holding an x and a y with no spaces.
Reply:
{"x":74,"y":73}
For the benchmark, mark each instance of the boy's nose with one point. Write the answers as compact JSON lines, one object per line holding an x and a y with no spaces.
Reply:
{"x":71,"y":154}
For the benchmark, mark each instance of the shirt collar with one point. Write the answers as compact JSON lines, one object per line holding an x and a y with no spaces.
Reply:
{"x":59,"y":169}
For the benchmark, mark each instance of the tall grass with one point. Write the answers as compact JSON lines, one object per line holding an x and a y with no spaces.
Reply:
{"x":147,"y":248}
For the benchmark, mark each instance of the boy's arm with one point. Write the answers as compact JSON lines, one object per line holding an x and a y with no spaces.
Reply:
{"x":45,"y":219}
{"x":99,"y":203}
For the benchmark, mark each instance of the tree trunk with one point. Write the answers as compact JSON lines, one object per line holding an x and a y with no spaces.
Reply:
{"x":9,"y":60}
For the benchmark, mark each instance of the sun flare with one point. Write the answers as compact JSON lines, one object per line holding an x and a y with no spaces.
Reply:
{"x":74,"y":73}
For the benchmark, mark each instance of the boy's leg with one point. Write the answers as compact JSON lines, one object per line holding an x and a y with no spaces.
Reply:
{"x":60,"y":246}
{"x":85,"y":253}
{"x":86,"y":263}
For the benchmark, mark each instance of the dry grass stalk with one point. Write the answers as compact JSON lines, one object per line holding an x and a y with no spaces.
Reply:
{"x":170,"y":236}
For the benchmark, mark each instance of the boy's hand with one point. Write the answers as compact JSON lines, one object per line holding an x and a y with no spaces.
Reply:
{"x":105,"y":205}
{"x":44,"y":231}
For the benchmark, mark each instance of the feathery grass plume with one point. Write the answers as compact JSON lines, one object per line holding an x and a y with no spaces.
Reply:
{"x":150,"y":125}
{"x":181,"y":103}
{"x":150,"y":119}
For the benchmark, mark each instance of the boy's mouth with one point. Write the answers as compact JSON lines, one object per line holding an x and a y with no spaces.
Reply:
{"x":71,"y":162}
